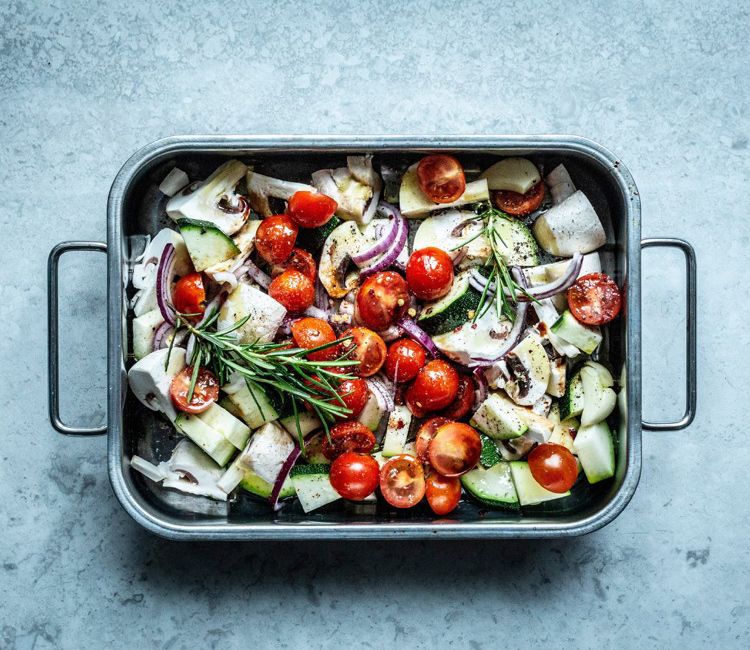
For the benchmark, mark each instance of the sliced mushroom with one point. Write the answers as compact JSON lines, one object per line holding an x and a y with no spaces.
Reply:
{"x":216,"y":200}
{"x":356,"y":188}
{"x":335,"y":258}
{"x":260,"y":188}
{"x":529,"y":368}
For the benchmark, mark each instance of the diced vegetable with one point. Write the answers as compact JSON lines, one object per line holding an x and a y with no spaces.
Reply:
{"x":570,"y":227}
{"x":515,"y":174}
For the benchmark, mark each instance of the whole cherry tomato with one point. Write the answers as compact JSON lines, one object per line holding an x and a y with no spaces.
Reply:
{"x":354,"y":392}
{"x":595,"y":299}
{"x":402,"y":481}
{"x":299,"y":260}
{"x":367,"y":347}
{"x":426,"y":433}
{"x":465,"y":397}
{"x":435,"y":387}
{"x":293,"y":290}
{"x":354,"y":476}
{"x":382,"y":300}
{"x":348,"y":436}
{"x":275,"y":238}
{"x":311,"y":333}
{"x":553,"y":467}
{"x":405,"y":359}
{"x":455,"y":449}
{"x":443,"y":493}
{"x":517,"y":204}
{"x":189,"y":295}
{"x":429,"y":273}
{"x":311,"y":209}
{"x":205,"y":392}
{"x":441,"y":178}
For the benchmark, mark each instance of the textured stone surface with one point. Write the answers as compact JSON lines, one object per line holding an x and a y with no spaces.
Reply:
{"x":664,"y":84}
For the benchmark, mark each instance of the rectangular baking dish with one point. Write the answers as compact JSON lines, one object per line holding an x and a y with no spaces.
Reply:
{"x":136,"y":208}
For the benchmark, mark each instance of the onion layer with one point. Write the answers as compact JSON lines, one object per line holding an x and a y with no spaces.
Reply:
{"x":389,"y":257}
{"x":249,"y":267}
{"x":419,"y":335}
{"x":382,"y":393}
{"x":164,"y":275}
{"x":286,"y":467}
{"x":380,"y":246}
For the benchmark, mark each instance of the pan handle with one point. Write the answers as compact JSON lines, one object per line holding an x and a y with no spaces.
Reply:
{"x":690,"y":356}
{"x":52,"y":342}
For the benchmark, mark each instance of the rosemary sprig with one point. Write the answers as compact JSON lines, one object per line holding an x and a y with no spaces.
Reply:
{"x":286,"y":372}
{"x":506,"y":289}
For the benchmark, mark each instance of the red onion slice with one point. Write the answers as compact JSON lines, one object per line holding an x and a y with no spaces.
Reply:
{"x":321,"y":295}
{"x":383,"y":394}
{"x":161,"y":335}
{"x":286,"y":467}
{"x":390,"y":256}
{"x":164,"y":275}
{"x":419,"y":335}
{"x":381,"y":246}
{"x":249,"y":267}
{"x":564,"y":282}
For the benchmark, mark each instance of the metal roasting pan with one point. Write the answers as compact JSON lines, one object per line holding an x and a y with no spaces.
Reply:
{"x":136,"y":208}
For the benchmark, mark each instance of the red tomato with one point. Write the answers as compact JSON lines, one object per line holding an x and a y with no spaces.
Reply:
{"x":205,"y":393}
{"x":553,"y":467}
{"x":189,"y":295}
{"x":429,"y":273}
{"x":368,"y":348}
{"x":464,"y":399}
{"x":348,"y":436}
{"x":382,"y":300}
{"x":517,"y":204}
{"x":455,"y":449}
{"x":354,"y":392}
{"x":311,"y":333}
{"x":402,"y":481}
{"x":426,"y":433}
{"x":435,"y":387}
{"x":311,"y":209}
{"x":595,"y":299}
{"x":293,"y":290}
{"x":443,"y":493}
{"x":354,"y":476}
{"x":441,"y":178}
{"x":275,"y":238}
{"x":300,"y":260}
{"x":405,"y":357}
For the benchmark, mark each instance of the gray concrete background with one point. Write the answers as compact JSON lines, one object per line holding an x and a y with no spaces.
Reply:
{"x":663,"y":84}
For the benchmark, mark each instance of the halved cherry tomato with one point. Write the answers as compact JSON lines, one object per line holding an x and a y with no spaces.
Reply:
{"x":441,"y":178}
{"x":293,"y":290}
{"x":455,"y":449}
{"x":311,"y":333}
{"x":443,"y":493}
{"x":382,"y":300}
{"x":189,"y":294}
{"x":354,"y":476}
{"x":425,"y":434}
{"x":553,"y":467}
{"x":354,"y":392}
{"x":348,"y":436}
{"x":435,"y":387}
{"x":402,"y":481}
{"x":464,"y":399}
{"x":205,"y":393}
{"x":429,"y":273}
{"x":275,"y":238}
{"x":368,"y":348}
{"x":311,"y":209}
{"x":405,"y":359}
{"x":299,"y":260}
{"x":595,"y":299}
{"x":517,"y":204}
